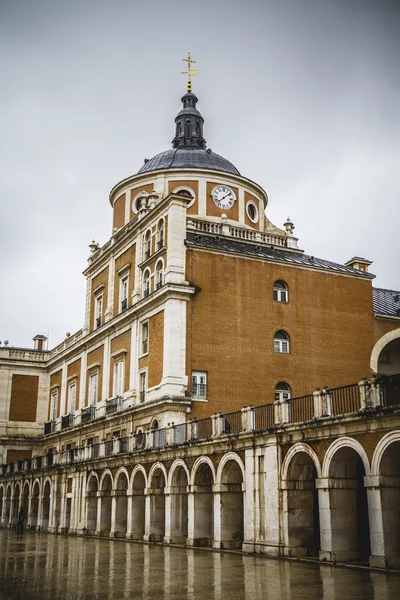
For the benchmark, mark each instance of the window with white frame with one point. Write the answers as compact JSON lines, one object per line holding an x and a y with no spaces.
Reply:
{"x":147,"y":245}
{"x":281,"y":342}
{"x":282,"y":392}
{"x":145,"y":338}
{"x":281,"y":292}
{"x":98,"y":310}
{"x":199,"y":385}
{"x":146,"y":283}
{"x":71,"y":397}
{"x":142,"y":387}
{"x":123,"y":292}
{"x":119,"y":378}
{"x":159,"y":274}
{"x":93,"y":388}
{"x":160,"y":234}
{"x":54,"y":404}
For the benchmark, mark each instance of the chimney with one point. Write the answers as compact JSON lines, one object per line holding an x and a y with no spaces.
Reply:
{"x":39,"y":341}
{"x":361,"y":264}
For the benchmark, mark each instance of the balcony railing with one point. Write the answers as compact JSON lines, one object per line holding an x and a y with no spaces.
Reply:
{"x":88,"y":414}
{"x":147,"y":254}
{"x":109,"y":447}
{"x":160,"y":243}
{"x":142,"y":396}
{"x":159,"y":284}
{"x":49,"y":427}
{"x":98,"y":322}
{"x":67,"y":421}
{"x":146,"y":291}
{"x":124,"y":304}
{"x":113,"y":405}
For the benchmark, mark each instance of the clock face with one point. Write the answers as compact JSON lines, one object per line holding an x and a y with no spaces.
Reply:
{"x":223,"y":196}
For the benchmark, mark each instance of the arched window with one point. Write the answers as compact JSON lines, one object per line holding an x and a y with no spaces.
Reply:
{"x":188,"y":129}
{"x":281,"y":342}
{"x":160,"y":234}
{"x":154,"y":424}
{"x":159,"y":274}
{"x":282,"y":392}
{"x":281,"y":292}
{"x":147,"y":245}
{"x":146,"y":283}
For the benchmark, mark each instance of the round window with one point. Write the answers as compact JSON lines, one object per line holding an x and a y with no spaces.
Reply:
{"x":252,"y":212}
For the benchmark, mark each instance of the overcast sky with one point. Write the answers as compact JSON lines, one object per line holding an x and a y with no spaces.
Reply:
{"x":303,"y":96}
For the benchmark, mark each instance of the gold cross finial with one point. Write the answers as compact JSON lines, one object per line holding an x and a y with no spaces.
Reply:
{"x":190,"y":72}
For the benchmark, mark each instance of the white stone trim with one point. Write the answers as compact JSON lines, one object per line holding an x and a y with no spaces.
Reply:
{"x":379,"y":346}
{"x":154,"y":468}
{"x":225,"y":459}
{"x":381,"y":447}
{"x":135,"y":471}
{"x":296,"y":449}
{"x":344,"y":442}
{"x":200,"y":461}
{"x":179,"y":462}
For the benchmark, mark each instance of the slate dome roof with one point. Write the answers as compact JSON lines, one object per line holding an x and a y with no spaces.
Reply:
{"x":189,"y":149}
{"x":189,"y":158}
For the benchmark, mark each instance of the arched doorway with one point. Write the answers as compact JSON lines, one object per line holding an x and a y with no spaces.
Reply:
{"x":232,"y":529}
{"x":138,"y":506}
{"x":348,"y":506}
{"x":25,"y":498}
{"x":390,"y":501}
{"x":105,"y":510}
{"x":203,"y":506}
{"x":46,"y":506}
{"x":179,"y":506}
{"x":91,"y":505}
{"x":301,"y":507}
{"x":34,"y":506}
{"x":121,"y":505}
{"x":157,"y":506}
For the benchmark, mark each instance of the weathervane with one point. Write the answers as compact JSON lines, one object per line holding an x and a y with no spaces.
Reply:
{"x":190,"y":72}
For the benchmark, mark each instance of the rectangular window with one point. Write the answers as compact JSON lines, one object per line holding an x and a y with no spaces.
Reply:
{"x":199,"y":385}
{"x":89,"y":441}
{"x":93,"y":389}
{"x":54,"y":402}
{"x":142,"y":387}
{"x":145,"y":338}
{"x":98,"y":311}
{"x":119,"y":378}
{"x":124,"y":293}
{"x":71,"y":397}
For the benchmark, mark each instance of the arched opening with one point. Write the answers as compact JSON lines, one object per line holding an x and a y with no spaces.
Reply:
{"x":1,"y":504}
{"x":91,"y":505}
{"x":25,"y":500}
{"x":390,"y":501}
{"x":231,"y":506}
{"x":302,"y":509}
{"x":7,"y":506}
{"x":389,"y":358}
{"x":179,"y":506}
{"x":138,"y":506}
{"x":46,"y":506}
{"x":348,"y":506}
{"x":34,"y":506}
{"x":157,"y":507}
{"x":121,"y":506}
{"x":16,"y":502}
{"x":160,"y":234}
{"x":146,"y":284}
{"x":281,"y":342}
{"x":282,"y":392}
{"x":147,"y":245}
{"x":159,"y":274}
{"x":105,"y":510}
{"x":280,"y":291}
{"x":203,"y":506}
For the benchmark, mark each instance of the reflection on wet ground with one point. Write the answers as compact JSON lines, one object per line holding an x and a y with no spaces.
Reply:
{"x":53,"y":567}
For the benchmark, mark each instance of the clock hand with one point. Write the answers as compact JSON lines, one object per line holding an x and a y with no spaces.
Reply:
{"x":223,"y":197}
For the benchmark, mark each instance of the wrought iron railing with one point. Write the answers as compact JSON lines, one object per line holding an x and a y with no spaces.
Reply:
{"x":232,"y":423}
{"x":345,"y":399}
{"x":88,"y":414}
{"x":301,"y":409}
{"x":67,"y":421}
{"x":113,"y":405}
{"x":49,"y":427}
{"x":264,"y":417}
{"x":389,"y":390}
{"x":124,"y":304}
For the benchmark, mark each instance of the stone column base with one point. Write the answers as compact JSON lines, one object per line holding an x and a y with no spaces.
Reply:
{"x":195,"y":542}
{"x":268,"y":548}
{"x":339,"y":556}
{"x":380,"y":562}
{"x":295,"y":551}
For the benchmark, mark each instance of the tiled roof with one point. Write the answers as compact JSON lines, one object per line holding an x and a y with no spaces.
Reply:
{"x":223,"y":244}
{"x":386,"y":302}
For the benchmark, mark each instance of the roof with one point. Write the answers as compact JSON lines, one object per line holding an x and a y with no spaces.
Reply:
{"x":189,"y":158}
{"x":271,"y":253}
{"x":386,"y":302}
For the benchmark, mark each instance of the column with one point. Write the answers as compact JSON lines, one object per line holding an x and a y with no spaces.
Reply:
{"x":129,"y":516}
{"x":174,"y":380}
{"x":248,"y":487}
{"x":168,"y":507}
{"x":378,"y":552}
{"x":106,"y":368}
{"x":190,"y":540}
{"x":217,"y":517}
{"x":147,"y":502}
{"x":272,"y":500}
{"x":324,"y":503}
{"x":113,"y":511}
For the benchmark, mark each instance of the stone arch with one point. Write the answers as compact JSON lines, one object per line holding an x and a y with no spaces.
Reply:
{"x":226,"y":458}
{"x":35,"y":492}
{"x":46,"y":503}
{"x":92,"y":488}
{"x":26,"y":491}
{"x":106,"y":487}
{"x":16,"y":502}
{"x":7,"y":504}
{"x":156,"y":486}
{"x":386,"y":339}
{"x":121,"y":486}
{"x":301,"y":525}
{"x":1,"y":503}
{"x":386,"y":466}
{"x":345,"y":467}
{"x":230,"y":481}
{"x":202,"y":481}
{"x":178,"y":482}
{"x":137,"y":486}
{"x":300,"y":447}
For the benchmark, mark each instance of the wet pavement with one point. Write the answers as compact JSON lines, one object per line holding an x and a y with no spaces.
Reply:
{"x":50,"y":567}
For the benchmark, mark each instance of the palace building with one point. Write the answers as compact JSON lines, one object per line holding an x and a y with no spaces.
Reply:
{"x":226,"y":389}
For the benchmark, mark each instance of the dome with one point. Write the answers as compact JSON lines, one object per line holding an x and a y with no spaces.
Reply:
{"x":189,"y":158}
{"x":189,"y":146}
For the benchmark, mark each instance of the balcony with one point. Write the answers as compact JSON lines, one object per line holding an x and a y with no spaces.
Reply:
{"x":88,"y":414}
{"x":67,"y":421}
{"x":160,"y":244}
{"x":49,"y":427}
{"x":124,"y":304}
{"x":113,"y":405}
{"x":142,"y":396}
{"x":159,"y":284}
{"x":98,"y":322}
{"x":146,"y":291}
